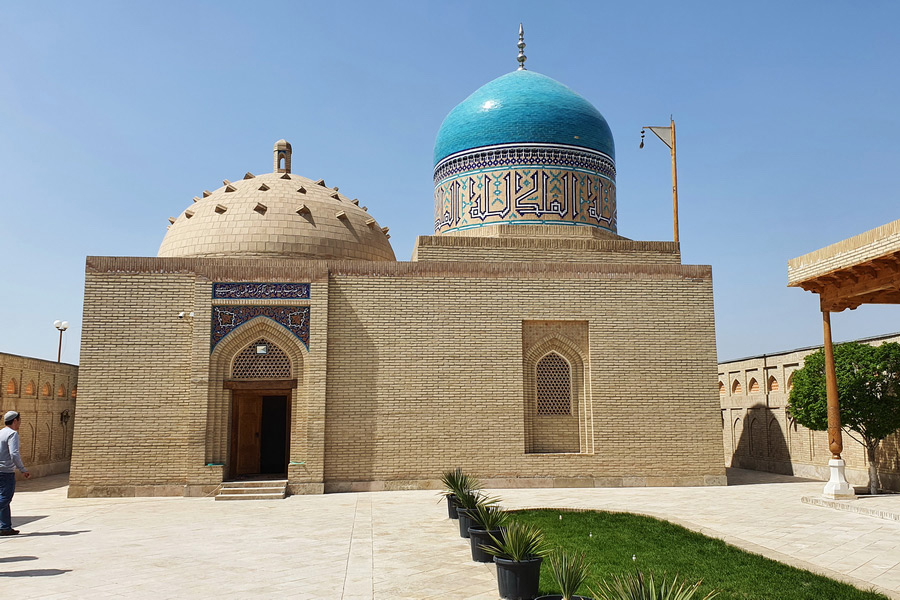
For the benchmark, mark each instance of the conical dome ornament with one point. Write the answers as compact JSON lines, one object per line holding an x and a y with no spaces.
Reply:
{"x":522,"y":58}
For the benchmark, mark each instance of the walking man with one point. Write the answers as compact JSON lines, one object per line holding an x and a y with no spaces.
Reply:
{"x":9,"y":462}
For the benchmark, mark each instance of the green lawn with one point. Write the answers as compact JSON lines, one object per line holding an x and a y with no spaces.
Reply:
{"x":662,"y":547}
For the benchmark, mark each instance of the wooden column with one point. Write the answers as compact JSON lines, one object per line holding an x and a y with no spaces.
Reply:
{"x":835,"y":441}
{"x":674,"y":180}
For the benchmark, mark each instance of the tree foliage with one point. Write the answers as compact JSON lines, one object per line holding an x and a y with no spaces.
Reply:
{"x":868,"y":382}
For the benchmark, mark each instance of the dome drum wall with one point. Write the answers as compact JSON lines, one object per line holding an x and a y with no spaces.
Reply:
{"x":524,"y":150}
{"x":525,"y":184}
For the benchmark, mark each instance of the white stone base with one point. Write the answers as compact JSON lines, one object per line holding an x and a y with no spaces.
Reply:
{"x":837,"y":487}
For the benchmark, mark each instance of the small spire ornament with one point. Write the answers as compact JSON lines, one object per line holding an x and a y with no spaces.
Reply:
{"x":522,"y":58}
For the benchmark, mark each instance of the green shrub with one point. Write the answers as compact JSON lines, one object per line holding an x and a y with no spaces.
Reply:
{"x":520,"y":541}
{"x":639,"y":587}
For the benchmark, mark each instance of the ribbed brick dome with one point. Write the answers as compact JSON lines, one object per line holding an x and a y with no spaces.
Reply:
{"x":277,"y":215}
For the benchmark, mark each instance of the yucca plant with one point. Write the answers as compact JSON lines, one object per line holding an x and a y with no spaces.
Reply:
{"x":455,"y":482}
{"x":519,"y":542}
{"x":486,"y":520}
{"x":640,"y":587}
{"x":472,"y":499}
{"x":489,"y":517}
{"x":569,"y":571}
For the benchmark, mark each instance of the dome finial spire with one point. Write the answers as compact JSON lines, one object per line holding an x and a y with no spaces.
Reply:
{"x":522,"y":58}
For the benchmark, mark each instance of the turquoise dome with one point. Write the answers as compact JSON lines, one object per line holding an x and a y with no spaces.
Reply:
{"x":523,"y":107}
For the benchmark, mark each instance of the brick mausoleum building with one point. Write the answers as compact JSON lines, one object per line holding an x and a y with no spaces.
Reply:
{"x":276,"y":335}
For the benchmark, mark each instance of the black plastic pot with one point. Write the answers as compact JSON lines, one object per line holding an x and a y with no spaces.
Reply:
{"x":452,"y":505}
{"x":479,"y":537}
{"x":518,"y":580}
{"x":465,"y":521}
{"x":558,"y":597}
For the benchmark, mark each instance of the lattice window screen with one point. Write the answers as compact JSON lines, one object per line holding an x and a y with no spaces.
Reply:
{"x":249,"y":364}
{"x":554,"y":385}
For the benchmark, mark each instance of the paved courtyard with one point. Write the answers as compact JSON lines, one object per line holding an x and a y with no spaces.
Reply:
{"x":388,"y":545}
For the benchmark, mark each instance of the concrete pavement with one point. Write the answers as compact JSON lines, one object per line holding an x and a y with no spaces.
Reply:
{"x":387,"y":545}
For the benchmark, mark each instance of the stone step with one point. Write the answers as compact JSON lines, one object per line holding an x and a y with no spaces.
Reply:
{"x":275,"y":489}
{"x":255,"y":483}
{"x":273,"y":496}
{"x":253,"y":490}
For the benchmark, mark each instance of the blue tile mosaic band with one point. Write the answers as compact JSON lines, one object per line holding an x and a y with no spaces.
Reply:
{"x":514,"y":155}
{"x":261,"y":291}
{"x":525,"y":184}
{"x":226,"y":319}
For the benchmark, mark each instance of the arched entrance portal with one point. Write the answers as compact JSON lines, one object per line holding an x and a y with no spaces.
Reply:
{"x":261,"y":388}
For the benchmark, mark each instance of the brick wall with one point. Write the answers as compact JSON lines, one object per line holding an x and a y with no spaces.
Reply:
{"x":412,"y":368}
{"x":759,"y":434}
{"x":45,"y":434}
{"x":548,"y":249}
{"x":434,"y":364}
{"x":138,"y":426}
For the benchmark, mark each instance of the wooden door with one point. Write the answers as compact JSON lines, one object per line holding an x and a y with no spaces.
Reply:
{"x":249,"y":416}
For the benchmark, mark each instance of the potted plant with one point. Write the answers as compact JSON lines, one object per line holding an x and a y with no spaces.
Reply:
{"x":468,"y":502}
{"x":518,"y":556}
{"x":626,"y":587}
{"x":487,"y":521}
{"x":570,"y":572}
{"x":455,"y":482}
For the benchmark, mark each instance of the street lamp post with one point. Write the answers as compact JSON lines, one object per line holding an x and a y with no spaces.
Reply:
{"x":62,"y":326}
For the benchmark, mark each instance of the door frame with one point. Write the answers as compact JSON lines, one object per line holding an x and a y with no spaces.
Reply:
{"x":257,"y":389}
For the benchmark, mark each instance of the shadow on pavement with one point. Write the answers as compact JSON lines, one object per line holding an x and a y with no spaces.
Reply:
{"x":748,"y":477}
{"x":6,"y":559}
{"x":34,"y":573}
{"x":42,"y":484}
{"x":17,"y":521}
{"x":60,"y":533}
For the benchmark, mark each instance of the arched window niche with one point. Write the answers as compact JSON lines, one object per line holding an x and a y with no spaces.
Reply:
{"x":556,"y":411}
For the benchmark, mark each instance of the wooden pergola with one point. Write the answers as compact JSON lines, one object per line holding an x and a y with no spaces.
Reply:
{"x":864,"y":269}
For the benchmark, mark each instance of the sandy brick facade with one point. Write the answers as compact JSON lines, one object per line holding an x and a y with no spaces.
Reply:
{"x":43,"y":393}
{"x":758,"y":433}
{"x":408,"y":369}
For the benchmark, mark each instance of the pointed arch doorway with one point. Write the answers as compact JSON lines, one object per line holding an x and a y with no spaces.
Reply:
{"x":260,"y":416}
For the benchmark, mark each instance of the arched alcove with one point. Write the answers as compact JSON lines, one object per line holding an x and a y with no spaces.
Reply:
{"x":240,"y":354}
{"x":753,"y":386}
{"x":555,"y":407}
{"x":737,"y":433}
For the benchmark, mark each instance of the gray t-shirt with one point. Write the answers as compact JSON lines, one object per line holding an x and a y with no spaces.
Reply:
{"x":9,"y":452}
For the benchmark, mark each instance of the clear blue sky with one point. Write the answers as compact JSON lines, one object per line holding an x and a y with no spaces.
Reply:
{"x":113,"y":115}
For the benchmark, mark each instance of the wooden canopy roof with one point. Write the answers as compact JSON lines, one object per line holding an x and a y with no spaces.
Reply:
{"x":864,"y":269}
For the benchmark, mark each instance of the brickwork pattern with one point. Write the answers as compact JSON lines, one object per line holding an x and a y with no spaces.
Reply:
{"x":548,"y":249}
{"x":412,"y":367}
{"x":45,"y":434}
{"x":421,"y":365}
{"x":759,"y":434}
